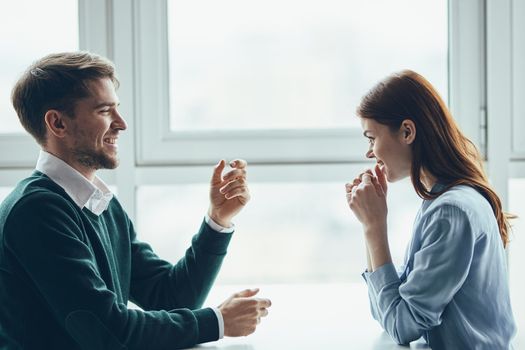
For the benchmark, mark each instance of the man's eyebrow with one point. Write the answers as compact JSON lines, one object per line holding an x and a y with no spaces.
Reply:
{"x":107,"y":104}
{"x":365,"y":133}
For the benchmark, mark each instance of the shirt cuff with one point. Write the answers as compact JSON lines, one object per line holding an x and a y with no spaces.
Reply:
{"x":216,"y":227}
{"x":366,"y":275}
{"x":220,"y":320}
{"x":381,"y":277}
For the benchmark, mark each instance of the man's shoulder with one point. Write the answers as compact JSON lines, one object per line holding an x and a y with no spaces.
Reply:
{"x":33,"y":193}
{"x":36,"y":208}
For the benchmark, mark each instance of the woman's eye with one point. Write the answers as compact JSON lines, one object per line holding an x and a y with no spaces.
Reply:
{"x":371,"y":141}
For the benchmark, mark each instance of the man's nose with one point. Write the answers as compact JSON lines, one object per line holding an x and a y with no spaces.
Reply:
{"x":370,"y":154}
{"x":119,"y":122}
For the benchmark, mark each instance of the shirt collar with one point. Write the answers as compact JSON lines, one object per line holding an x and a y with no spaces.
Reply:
{"x":95,"y":195}
{"x":438,"y":187}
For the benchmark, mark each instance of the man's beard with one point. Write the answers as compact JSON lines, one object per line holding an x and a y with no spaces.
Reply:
{"x":94,"y":160}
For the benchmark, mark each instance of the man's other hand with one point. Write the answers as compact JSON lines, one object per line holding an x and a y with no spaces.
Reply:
{"x":242,"y":312}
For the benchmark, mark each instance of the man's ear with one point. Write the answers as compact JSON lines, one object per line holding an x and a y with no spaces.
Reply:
{"x":55,"y":123}
{"x":408,"y":130}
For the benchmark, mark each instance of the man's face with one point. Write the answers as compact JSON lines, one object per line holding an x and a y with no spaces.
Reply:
{"x":92,"y":137}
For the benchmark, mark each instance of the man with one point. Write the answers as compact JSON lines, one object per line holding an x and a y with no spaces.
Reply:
{"x":69,"y":256}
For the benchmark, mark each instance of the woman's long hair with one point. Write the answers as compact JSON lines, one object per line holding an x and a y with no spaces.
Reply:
{"x":439,"y":148}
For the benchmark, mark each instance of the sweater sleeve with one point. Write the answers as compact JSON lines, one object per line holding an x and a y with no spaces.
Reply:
{"x":407,"y":309}
{"x":44,"y":233}
{"x":159,"y":285}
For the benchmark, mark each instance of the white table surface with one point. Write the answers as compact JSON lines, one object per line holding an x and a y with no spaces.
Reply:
{"x":318,"y":316}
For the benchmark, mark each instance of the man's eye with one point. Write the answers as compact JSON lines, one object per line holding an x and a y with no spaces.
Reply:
{"x":371,"y":141}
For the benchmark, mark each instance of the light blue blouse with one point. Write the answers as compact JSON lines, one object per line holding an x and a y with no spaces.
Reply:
{"x":453,"y":288}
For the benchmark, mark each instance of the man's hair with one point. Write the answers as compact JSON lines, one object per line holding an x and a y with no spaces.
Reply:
{"x":56,"y":81}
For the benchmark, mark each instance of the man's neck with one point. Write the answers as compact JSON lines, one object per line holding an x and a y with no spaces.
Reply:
{"x":88,"y":173}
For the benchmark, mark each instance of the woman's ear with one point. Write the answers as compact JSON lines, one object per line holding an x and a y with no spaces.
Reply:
{"x":408,"y":131}
{"x":55,"y":123}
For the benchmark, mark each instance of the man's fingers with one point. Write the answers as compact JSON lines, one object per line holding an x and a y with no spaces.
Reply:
{"x":246,"y":293}
{"x":263,"y":313}
{"x":234,"y":174}
{"x":234,"y":189}
{"x":217,"y":172}
{"x":238,"y":163}
{"x":242,"y":193}
{"x":232,"y":185}
{"x":239,"y":171}
{"x":264,"y":303}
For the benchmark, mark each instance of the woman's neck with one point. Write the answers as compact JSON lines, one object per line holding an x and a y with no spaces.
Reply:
{"x":428,"y":180}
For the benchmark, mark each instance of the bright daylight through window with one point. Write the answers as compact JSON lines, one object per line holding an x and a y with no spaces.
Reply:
{"x":295,"y":64}
{"x":37,"y":29}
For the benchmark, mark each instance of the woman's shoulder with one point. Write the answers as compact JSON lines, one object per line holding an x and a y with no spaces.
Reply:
{"x":460,"y":199}
{"x":460,"y":209}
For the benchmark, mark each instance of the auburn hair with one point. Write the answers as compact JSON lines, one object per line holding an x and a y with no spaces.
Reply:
{"x":440,"y":148}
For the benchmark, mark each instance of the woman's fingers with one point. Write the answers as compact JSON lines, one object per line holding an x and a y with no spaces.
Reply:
{"x":381,"y":178}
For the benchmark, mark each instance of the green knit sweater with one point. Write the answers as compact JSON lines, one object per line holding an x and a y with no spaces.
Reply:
{"x":66,"y":276}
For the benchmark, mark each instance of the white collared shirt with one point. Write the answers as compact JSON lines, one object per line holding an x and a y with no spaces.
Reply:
{"x":96,"y":196}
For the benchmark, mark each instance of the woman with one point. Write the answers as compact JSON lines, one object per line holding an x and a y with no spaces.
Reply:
{"x":453,"y":288}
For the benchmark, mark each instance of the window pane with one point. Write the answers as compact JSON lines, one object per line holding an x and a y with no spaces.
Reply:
{"x":516,"y":256}
{"x":30,"y":29}
{"x":292,"y":63}
{"x":289,"y":232}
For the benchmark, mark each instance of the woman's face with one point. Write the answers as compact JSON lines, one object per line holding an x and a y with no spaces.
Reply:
{"x":391,"y":149}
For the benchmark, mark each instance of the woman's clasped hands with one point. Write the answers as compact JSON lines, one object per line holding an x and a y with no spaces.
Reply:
{"x":366,"y":197}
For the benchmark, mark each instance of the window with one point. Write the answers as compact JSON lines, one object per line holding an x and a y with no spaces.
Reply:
{"x":294,"y":64}
{"x":278,"y":82}
{"x":30,"y":29}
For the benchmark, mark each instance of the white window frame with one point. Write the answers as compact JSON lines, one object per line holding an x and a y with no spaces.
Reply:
{"x":157,"y":144}
{"x":467,"y":80}
{"x":517,"y":81}
{"x":505,"y":91}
